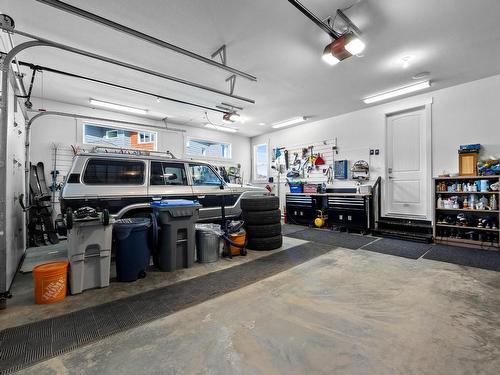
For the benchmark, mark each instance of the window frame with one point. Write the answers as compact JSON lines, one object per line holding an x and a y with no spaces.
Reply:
{"x":111,"y":131}
{"x":84,"y":170}
{"x":152,"y":137}
{"x":191,"y":175}
{"x":181,"y":165}
{"x":254,"y":163}
{"x":118,"y":128}
{"x":204,"y":157}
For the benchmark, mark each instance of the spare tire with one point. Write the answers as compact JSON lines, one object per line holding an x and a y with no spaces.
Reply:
{"x":269,"y":243}
{"x":261,"y":217}
{"x":260,"y":203}
{"x":266,"y":230}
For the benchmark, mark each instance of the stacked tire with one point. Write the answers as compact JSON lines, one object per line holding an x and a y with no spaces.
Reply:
{"x":262,"y":222}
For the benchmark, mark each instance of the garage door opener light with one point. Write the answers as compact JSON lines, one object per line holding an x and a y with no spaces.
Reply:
{"x":118,"y":107}
{"x":402,"y":91}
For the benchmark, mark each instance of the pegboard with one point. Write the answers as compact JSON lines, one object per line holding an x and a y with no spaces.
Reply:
{"x":325,"y":149}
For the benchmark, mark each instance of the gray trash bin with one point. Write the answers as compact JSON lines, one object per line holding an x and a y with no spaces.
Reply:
{"x":176,"y":245}
{"x":208,"y":242}
{"x":89,"y":254}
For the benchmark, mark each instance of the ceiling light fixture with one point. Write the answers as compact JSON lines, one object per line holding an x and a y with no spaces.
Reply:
{"x":405,"y":61}
{"x":118,"y":107}
{"x":292,"y":121}
{"x":221,"y":128}
{"x":353,"y":44}
{"x":328,"y":56}
{"x":229,"y":118}
{"x":398,"y":92}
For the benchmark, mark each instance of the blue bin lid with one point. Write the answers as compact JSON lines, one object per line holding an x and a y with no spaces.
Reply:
{"x":174,"y":203}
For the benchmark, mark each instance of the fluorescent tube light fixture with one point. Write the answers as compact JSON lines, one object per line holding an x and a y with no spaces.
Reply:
{"x":118,"y":107}
{"x":292,"y":121}
{"x":402,"y":91}
{"x":220,"y":128}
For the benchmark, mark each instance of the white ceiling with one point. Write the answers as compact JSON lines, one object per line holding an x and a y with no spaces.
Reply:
{"x":456,"y":40}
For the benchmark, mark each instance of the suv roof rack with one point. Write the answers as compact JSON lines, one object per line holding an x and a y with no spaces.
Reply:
{"x":129,"y":151}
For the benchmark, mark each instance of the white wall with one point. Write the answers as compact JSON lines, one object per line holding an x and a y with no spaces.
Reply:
{"x":65,"y":131}
{"x":467,"y":113}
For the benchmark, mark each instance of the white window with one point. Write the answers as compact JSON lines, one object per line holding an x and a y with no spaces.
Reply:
{"x":110,"y":134}
{"x":146,"y":137}
{"x":208,"y":149}
{"x":260,"y":162}
{"x":102,"y":135}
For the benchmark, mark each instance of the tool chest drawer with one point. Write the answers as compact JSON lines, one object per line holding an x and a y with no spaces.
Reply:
{"x":348,"y":212}
{"x":300,"y":209}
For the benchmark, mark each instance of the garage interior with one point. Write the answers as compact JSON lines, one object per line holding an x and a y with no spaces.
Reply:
{"x":250,"y":187}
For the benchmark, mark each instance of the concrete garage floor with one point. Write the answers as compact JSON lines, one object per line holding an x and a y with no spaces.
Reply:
{"x":346,"y":312}
{"x":22,"y":308}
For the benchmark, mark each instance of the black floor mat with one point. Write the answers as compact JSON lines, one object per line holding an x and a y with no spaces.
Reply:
{"x":25,"y":345}
{"x":328,"y":237}
{"x":400,"y":248}
{"x":287,"y":229}
{"x":489,"y":260}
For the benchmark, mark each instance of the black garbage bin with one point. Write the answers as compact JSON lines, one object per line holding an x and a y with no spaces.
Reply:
{"x":176,"y":245}
{"x":131,"y":240}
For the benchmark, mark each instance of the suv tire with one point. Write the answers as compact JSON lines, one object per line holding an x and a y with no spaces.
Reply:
{"x":262,"y":231}
{"x":261,"y":217}
{"x":262,"y":203}
{"x":269,"y":243}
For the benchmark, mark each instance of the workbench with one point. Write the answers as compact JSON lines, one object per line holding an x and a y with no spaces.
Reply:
{"x":343,"y":210}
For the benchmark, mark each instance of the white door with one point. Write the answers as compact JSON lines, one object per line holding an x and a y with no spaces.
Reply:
{"x":408,"y":163}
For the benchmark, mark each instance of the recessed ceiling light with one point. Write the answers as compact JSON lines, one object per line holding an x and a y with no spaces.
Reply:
{"x":421,"y":75}
{"x":220,"y":128}
{"x":262,"y":123}
{"x":405,"y":61}
{"x":397,"y":92}
{"x":289,"y":122}
{"x":118,"y":107}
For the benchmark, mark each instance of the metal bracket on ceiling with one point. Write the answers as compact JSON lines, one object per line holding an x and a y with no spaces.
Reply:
{"x":352,"y":27}
{"x":221,"y":52}
{"x":232,"y":83}
{"x":228,"y":107}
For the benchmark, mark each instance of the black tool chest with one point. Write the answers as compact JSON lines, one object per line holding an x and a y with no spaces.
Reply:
{"x":349,"y":212}
{"x":300,"y":209}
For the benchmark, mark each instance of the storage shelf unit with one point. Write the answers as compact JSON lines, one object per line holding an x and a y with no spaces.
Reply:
{"x":468,"y":236}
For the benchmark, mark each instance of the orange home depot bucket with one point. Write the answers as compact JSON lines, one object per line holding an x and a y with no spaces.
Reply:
{"x":50,"y":282}
{"x":239,"y":239}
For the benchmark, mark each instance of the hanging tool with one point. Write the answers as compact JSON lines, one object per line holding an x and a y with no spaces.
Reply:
{"x":287,"y":165}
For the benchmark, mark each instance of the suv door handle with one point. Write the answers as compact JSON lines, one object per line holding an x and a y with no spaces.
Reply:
{"x":156,"y":198}
{"x":200,"y":196}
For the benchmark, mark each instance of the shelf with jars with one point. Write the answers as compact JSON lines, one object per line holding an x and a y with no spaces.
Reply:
{"x":466,"y":211}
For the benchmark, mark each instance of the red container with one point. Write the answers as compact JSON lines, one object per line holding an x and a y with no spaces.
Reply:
{"x":310,"y":188}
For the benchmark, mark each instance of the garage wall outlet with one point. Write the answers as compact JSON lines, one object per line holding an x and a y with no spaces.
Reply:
{"x":377,"y":151}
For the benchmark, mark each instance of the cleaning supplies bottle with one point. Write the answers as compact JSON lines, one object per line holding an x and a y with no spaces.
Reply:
{"x":466,"y":203}
{"x":493,"y":202}
{"x":440,"y":202}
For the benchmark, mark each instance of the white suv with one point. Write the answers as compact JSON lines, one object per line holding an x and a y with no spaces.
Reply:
{"x":126,"y":185}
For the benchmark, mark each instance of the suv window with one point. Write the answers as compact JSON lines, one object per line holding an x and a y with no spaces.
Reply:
{"x":114,"y":172}
{"x":167,"y":174}
{"x":203,"y":175}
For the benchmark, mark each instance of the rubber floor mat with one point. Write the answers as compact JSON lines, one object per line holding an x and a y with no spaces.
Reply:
{"x":486,"y":259}
{"x":25,"y":345}
{"x":400,"y":248}
{"x":328,"y":237}
{"x":287,"y":229}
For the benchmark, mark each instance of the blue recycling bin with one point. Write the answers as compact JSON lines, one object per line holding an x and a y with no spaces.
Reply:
{"x":131,"y":239}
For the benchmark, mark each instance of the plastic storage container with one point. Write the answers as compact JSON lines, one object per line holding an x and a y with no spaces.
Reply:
{"x":296,"y":188}
{"x":131,"y":243}
{"x":50,"y":282}
{"x":89,"y":253}
{"x":208,"y":242}
{"x":176,"y":247}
